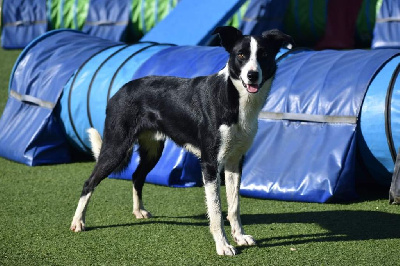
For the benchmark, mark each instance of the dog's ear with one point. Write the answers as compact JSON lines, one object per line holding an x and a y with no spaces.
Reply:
{"x":277,"y":39}
{"x":228,"y":35}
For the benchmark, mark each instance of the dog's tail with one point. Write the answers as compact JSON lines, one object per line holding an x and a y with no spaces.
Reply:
{"x":95,"y":141}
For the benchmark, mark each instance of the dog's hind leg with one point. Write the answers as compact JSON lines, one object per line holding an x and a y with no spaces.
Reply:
{"x":233,"y":170}
{"x":150,"y":150}
{"x":110,"y":159}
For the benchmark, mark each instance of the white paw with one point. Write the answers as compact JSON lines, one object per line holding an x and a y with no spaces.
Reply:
{"x":142,"y":214}
{"x":244,"y":240}
{"x":77,"y":225}
{"x":226,"y":250}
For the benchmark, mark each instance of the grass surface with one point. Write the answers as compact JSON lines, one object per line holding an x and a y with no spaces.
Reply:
{"x":37,"y":205}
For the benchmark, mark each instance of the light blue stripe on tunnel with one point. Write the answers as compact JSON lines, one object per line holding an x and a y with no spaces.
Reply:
{"x":372,"y":123}
{"x":102,"y":81}
{"x":78,"y":98}
{"x":128,"y":68}
{"x":395,"y":113}
{"x":105,"y":73}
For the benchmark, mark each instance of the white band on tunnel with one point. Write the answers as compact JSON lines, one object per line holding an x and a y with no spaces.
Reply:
{"x":31,"y":99}
{"x":308,"y":117}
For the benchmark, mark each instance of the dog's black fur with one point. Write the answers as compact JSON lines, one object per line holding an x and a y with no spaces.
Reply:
{"x":204,"y":114}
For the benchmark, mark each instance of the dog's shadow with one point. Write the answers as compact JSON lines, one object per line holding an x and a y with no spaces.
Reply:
{"x":339,"y":225}
{"x":156,"y":220}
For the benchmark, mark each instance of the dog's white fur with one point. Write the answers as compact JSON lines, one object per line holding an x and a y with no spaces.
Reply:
{"x":79,"y":218}
{"x":95,"y":141}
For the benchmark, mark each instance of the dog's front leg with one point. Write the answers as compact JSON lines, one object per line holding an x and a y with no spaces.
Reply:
{"x":213,"y":200}
{"x":233,"y":171}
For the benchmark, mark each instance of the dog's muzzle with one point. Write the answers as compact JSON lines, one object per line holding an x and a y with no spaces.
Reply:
{"x":252,"y":86}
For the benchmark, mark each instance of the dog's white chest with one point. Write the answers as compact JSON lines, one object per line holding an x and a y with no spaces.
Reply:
{"x":235,"y":140}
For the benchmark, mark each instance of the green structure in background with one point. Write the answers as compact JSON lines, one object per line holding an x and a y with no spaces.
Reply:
{"x":310,"y":22}
{"x":366,"y":22}
{"x":70,"y":14}
{"x":236,"y":20}
{"x":306,"y":20}
{"x":144,"y":15}
{"x":147,"y":13}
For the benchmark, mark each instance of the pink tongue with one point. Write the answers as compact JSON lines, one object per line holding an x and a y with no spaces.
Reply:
{"x":252,"y":88}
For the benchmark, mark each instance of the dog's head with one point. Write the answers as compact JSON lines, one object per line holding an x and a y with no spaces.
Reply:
{"x":252,"y":58}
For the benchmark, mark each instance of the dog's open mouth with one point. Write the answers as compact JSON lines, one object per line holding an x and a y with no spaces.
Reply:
{"x":251,"y":88}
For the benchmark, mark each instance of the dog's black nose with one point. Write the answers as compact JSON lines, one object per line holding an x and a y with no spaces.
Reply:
{"x":253,"y":76}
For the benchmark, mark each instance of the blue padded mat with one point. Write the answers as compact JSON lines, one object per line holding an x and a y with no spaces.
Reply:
{"x":22,"y":22}
{"x":387,"y":26}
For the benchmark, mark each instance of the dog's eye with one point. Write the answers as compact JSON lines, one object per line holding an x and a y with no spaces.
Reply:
{"x":241,"y":56}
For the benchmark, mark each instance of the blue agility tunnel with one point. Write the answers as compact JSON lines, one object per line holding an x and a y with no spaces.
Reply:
{"x":30,"y":133}
{"x":85,"y":95}
{"x":309,"y":128}
{"x":379,"y":122}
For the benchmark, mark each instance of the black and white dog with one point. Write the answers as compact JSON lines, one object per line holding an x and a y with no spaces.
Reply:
{"x":214,"y":117}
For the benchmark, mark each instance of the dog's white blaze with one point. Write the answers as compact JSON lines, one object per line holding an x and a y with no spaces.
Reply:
{"x":252,"y":64}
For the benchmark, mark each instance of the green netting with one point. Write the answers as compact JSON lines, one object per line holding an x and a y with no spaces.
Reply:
{"x":305,"y":20}
{"x":83,"y":7}
{"x":53,"y":13}
{"x":236,"y":20}
{"x":147,"y":13}
{"x":69,"y":14}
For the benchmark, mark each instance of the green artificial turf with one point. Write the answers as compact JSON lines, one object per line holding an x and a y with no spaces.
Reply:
{"x":37,"y":205}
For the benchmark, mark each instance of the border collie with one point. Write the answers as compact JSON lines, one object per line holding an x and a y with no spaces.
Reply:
{"x":214,"y":117}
